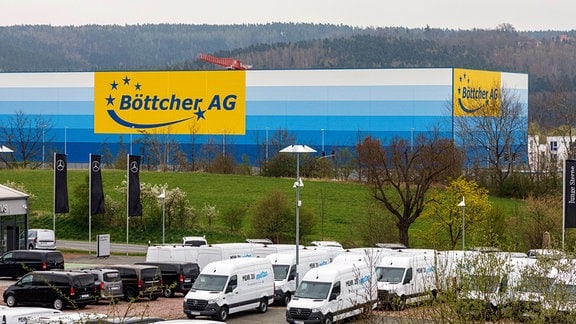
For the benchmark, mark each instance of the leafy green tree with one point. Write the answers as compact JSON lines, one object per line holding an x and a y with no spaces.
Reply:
{"x":234,"y":216}
{"x":446,"y":216}
{"x":271,"y":216}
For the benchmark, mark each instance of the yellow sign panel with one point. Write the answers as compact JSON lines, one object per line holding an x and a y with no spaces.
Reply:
{"x":476,"y":93}
{"x":176,"y":102}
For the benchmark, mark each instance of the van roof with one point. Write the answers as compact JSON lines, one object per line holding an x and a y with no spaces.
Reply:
{"x":331,"y":271}
{"x":226,"y":266}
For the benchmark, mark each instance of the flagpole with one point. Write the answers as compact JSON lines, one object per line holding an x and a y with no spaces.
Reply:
{"x":90,"y":204}
{"x":54,"y":195}
{"x":127,"y":198}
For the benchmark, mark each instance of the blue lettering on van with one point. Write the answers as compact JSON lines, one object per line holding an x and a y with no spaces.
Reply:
{"x":262,"y":275}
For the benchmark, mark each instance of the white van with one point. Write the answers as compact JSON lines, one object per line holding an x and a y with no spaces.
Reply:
{"x":284,"y":265}
{"x":230,"y":286}
{"x":332,"y":293}
{"x":266,"y":249}
{"x":224,"y":251}
{"x":162,"y":253}
{"x":405,"y":277}
{"x":194,"y":241}
{"x":19,"y":315}
{"x":372,"y":256}
{"x":39,"y":238}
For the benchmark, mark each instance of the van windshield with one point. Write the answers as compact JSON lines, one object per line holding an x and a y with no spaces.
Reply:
{"x":388,"y":274}
{"x":210,"y":282}
{"x":313,"y":290}
{"x":280,"y":271}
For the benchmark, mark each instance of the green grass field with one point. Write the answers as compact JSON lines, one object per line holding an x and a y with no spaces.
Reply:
{"x":345,"y":204}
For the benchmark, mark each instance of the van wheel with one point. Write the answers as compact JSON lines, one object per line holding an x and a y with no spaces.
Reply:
{"x":263,"y":307}
{"x":287,"y":298}
{"x":58,"y":304}
{"x":168,"y":293}
{"x":11,"y":300}
{"x":223,"y":314}
{"x":327,"y":319}
{"x":130,"y":295}
{"x":190,"y":316}
{"x":399,"y":303}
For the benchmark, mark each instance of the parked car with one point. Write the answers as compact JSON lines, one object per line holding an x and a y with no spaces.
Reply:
{"x":177,"y":277}
{"x":16,"y":263}
{"x":39,"y":238}
{"x":18,"y":315}
{"x":55,"y":288}
{"x":108,"y":283}
{"x":140,"y":281}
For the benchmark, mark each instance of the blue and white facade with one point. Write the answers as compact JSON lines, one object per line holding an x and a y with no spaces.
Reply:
{"x":324,"y":109}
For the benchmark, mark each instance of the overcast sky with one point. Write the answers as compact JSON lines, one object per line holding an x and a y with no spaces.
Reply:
{"x":452,"y":14}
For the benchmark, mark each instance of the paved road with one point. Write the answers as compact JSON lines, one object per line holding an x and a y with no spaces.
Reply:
{"x":92,"y":246}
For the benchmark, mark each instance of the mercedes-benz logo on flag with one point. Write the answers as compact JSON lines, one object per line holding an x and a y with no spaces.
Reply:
{"x":60,"y":165}
{"x":95,"y":166}
{"x":134,"y":167}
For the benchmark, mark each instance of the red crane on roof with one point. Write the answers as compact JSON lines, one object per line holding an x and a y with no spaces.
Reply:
{"x":229,"y":63}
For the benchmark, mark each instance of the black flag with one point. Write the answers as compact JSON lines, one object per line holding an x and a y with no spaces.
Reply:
{"x":60,"y":184}
{"x":570,"y":194}
{"x":96,"y":191}
{"x":134,"y":203}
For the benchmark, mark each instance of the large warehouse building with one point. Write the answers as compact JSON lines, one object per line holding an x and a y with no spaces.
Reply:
{"x":241,"y":110}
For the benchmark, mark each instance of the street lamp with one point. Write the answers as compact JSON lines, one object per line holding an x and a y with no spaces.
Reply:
{"x":463,"y":205}
{"x":163,"y":197}
{"x":43,"y":131}
{"x":297,"y":149}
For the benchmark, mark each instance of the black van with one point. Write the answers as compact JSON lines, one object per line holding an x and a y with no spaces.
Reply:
{"x":16,"y":263}
{"x":177,"y":276}
{"x":55,"y":288}
{"x":139,"y":280}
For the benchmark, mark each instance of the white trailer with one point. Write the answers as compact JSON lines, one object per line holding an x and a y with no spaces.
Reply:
{"x":284,"y":265}
{"x":332,"y":293}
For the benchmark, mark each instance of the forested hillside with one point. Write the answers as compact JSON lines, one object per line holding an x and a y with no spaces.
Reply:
{"x":549,"y":57}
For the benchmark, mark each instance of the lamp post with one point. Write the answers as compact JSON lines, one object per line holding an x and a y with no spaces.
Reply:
{"x":163,"y":197}
{"x":43,"y":145}
{"x":463,"y":205}
{"x":65,"y":140}
{"x":297,"y":149}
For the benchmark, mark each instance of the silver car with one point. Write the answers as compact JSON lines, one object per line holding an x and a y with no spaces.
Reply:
{"x":108,"y":283}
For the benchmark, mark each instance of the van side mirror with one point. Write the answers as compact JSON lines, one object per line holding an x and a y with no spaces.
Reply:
{"x":229,"y":289}
{"x":333,"y":296}
{"x":291,"y":277}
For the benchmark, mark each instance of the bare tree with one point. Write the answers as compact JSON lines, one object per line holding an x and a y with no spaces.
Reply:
{"x":401,"y":175}
{"x":496,"y":138}
{"x":27,"y":135}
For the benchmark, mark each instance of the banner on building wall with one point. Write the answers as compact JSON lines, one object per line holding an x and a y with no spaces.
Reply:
{"x":476,"y":93}
{"x":175,"y":102}
{"x":569,"y":194}
{"x":60,"y":184}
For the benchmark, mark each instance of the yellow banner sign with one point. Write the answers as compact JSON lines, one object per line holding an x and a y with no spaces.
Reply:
{"x":476,"y":93}
{"x":175,"y":102}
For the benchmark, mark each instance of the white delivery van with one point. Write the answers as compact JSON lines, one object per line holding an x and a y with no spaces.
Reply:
{"x":223,"y":251}
{"x":194,"y":241}
{"x":284,"y":265}
{"x":266,"y":249}
{"x":332,"y":293}
{"x":17,"y":315}
{"x":162,"y":253}
{"x":230,"y":286}
{"x":371,"y":256}
{"x":405,"y":277}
